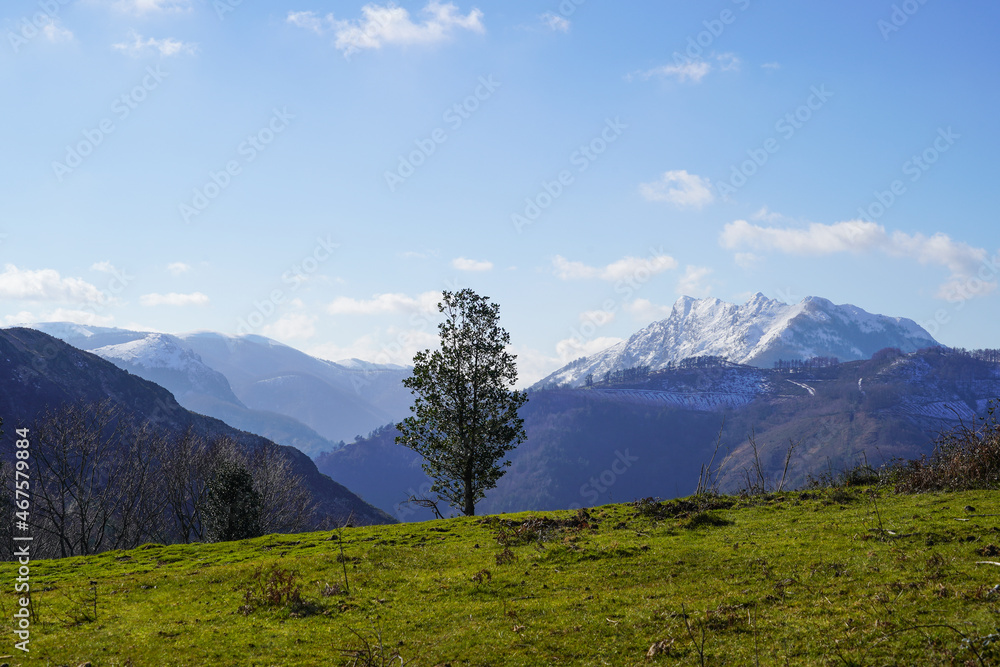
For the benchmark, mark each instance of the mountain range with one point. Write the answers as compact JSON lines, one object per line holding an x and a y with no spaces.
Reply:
{"x":255,"y":383}
{"x":882,"y":388}
{"x":620,"y":441}
{"x":39,"y":372}
{"x":757,"y":333}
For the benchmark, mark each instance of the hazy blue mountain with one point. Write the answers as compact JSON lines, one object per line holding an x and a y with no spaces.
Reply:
{"x":38,"y":371}
{"x":255,"y":383}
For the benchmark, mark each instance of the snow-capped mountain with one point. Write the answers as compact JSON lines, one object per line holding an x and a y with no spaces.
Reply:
{"x":757,"y":333}
{"x":163,"y":359}
{"x":39,"y":372}
{"x":254,"y":383}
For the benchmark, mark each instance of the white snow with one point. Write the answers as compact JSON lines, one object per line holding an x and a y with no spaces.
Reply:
{"x":812,"y":392}
{"x":153,"y":351}
{"x":756,"y":333}
{"x":705,"y":401}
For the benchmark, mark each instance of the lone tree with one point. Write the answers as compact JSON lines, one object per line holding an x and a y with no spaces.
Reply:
{"x":465,"y":414}
{"x":232,"y":509}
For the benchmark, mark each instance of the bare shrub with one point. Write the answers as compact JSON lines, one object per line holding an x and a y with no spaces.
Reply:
{"x":966,"y":457}
{"x":272,"y":587}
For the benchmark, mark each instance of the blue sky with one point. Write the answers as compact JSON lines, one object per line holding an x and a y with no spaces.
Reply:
{"x":318,"y":172}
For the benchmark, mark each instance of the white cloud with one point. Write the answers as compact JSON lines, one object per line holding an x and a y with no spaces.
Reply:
{"x":729,"y":62}
{"x":964,"y":262}
{"x":567,"y":270}
{"x":390,"y":346}
{"x":816,"y":239}
{"x":385,"y":303}
{"x":104,"y":267}
{"x":764,"y":213}
{"x":533,"y":365}
{"x":463,"y":264}
{"x":310,"y":21}
{"x":174,"y":299}
{"x":627,"y":267}
{"x":54,"y":32}
{"x":693,"y":70}
{"x":679,"y":188}
{"x":60,"y":315}
{"x":23,"y":317}
{"x":137,"y":47}
{"x":747,"y":260}
{"x":574,"y":348}
{"x":960,"y":288}
{"x":292,"y":326}
{"x":46,"y":285}
{"x":177,"y":268}
{"x":554,"y":22}
{"x":771,"y":66}
{"x":692,"y":282}
{"x":413,"y":254}
{"x":147,"y":6}
{"x":646,"y":310}
{"x":389,"y":24}
{"x":598,"y":317}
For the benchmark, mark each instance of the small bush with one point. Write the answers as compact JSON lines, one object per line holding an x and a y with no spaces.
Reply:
{"x":706,"y":519}
{"x":966,"y":457}
{"x":330,"y":590}
{"x":861,"y":474}
{"x":273,"y":587}
{"x":652,"y":508}
{"x":538,"y":529}
{"x":506,"y":556}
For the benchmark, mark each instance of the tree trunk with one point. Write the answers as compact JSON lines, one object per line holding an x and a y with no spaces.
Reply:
{"x":470,"y":503}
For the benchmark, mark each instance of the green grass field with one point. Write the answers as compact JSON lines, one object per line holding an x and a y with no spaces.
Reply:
{"x":821,"y":578}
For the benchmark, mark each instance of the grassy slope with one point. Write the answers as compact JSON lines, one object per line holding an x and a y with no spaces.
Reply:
{"x":803,"y":579}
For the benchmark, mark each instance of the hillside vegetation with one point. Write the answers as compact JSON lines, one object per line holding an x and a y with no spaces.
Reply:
{"x":843,"y":576}
{"x":666,"y":426}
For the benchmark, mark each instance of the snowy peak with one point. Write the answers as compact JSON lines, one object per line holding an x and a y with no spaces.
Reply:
{"x":165,"y":359}
{"x":153,"y":351}
{"x":757,"y":333}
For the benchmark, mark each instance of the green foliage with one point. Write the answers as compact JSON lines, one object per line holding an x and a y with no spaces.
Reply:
{"x":233,"y":508}
{"x":465,"y":416}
